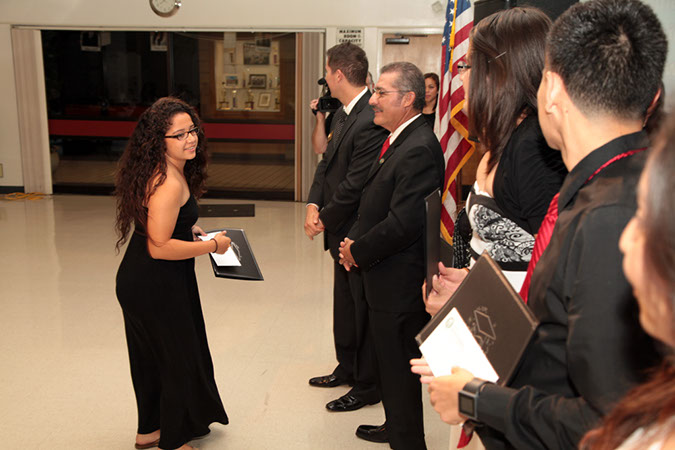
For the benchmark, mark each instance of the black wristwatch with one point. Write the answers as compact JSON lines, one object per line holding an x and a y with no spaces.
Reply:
{"x":468,"y":398}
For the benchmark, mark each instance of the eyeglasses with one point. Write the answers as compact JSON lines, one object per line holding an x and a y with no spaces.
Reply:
{"x":182,"y":136}
{"x":381,"y":92}
{"x":463,"y":67}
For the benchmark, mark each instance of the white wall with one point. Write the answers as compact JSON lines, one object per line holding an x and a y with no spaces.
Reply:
{"x":222,"y":13}
{"x":665,"y":10}
{"x":10,"y":147}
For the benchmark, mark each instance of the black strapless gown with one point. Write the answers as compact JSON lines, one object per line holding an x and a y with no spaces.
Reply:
{"x":171,"y":365}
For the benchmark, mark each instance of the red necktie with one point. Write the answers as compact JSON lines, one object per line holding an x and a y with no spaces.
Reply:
{"x":543,"y":238}
{"x":385,"y":146}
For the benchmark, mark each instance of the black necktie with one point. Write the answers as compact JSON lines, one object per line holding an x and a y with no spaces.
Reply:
{"x":341,"y":118}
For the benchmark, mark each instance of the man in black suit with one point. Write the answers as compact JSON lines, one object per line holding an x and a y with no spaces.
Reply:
{"x":333,"y":200}
{"x":387,"y":245}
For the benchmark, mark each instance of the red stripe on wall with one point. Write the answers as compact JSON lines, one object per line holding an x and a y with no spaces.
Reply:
{"x":91,"y":128}
{"x":249,"y":131}
{"x":116,"y":128}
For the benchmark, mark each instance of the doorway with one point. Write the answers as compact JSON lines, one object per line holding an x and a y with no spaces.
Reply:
{"x":423,"y":50}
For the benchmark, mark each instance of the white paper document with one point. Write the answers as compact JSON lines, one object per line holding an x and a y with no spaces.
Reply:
{"x":229,"y":258}
{"x":452,"y":344}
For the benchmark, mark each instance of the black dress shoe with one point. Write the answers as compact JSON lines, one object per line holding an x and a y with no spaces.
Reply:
{"x":373,"y":433}
{"x":327,"y":381}
{"x":347,"y":403}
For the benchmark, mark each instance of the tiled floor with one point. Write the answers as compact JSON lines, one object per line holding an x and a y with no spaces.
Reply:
{"x":64,"y":375}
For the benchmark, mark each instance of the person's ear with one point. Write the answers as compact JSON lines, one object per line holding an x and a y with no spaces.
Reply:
{"x":546,"y":96}
{"x":555,"y":93}
{"x":653,"y":105}
{"x":408,"y":99}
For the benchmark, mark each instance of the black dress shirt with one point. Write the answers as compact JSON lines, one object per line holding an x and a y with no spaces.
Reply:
{"x":589,"y":348}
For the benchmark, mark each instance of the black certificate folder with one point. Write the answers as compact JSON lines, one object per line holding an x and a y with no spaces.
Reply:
{"x":249,"y":269}
{"x":497,"y":317}
{"x":432,"y":235}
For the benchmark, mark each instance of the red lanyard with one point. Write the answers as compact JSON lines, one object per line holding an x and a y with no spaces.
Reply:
{"x":615,"y":159}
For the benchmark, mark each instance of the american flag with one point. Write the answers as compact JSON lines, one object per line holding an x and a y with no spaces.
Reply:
{"x":451,"y":122}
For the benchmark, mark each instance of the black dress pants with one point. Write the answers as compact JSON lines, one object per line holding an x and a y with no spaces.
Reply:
{"x":393,"y":335}
{"x":353,"y":347}
{"x":344,"y":324}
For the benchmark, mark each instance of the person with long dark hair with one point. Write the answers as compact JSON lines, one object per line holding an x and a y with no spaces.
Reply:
{"x":518,"y":173}
{"x":431,"y":85}
{"x":645,"y":418}
{"x":160,"y":174}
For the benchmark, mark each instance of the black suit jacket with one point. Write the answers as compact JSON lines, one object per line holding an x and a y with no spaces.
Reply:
{"x":388,"y":233}
{"x":340,"y":175}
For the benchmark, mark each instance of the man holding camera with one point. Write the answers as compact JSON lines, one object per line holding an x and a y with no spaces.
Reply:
{"x":353,"y":144}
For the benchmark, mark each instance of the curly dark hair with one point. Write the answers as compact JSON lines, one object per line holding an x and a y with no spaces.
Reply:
{"x":143,"y":159}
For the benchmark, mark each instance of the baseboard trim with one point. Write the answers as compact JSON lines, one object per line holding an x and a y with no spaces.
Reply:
{"x":11,"y":189}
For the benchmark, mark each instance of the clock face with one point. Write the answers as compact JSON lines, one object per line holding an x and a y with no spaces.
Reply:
{"x":165,"y":8}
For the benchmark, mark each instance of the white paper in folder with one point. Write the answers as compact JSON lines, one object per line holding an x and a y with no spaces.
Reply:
{"x":452,"y":344}
{"x":229,"y":258}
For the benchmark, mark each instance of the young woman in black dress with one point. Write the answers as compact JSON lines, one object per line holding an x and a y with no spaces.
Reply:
{"x":161,"y":172}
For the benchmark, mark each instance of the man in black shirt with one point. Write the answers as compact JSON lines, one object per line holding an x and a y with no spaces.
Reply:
{"x":604,"y":64}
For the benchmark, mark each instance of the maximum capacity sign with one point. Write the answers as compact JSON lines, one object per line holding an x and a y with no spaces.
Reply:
{"x":353,"y":35}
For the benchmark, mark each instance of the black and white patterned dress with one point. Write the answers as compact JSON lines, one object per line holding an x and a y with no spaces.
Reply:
{"x":506,"y":242}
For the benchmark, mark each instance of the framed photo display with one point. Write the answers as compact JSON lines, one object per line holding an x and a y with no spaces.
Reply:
{"x":257,"y":81}
{"x":257,"y":53}
{"x":231,"y":80}
{"x":264,"y":100}
{"x":247,"y":71}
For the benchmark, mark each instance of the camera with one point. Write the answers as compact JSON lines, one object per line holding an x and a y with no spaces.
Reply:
{"x":326,"y":102}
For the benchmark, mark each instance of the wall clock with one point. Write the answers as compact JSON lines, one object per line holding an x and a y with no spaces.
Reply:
{"x":165,"y":8}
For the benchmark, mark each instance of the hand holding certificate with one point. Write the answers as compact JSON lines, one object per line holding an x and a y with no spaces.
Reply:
{"x":227,"y":259}
{"x":453,"y":340}
{"x":484,"y":327}
{"x":238,"y":261}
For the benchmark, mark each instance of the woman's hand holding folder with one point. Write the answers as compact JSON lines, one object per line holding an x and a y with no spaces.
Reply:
{"x":444,"y":285}
{"x":443,"y":391}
